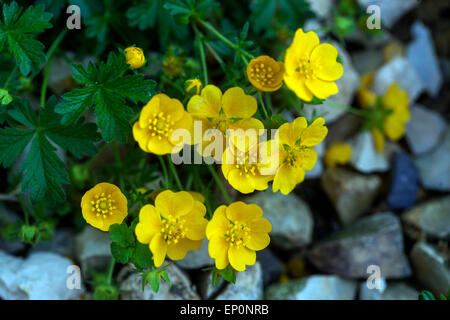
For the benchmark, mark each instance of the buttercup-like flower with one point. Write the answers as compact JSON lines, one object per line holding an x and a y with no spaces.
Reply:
{"x":232,"y":110}
{"x":157,"y":121}
{"x":193,"y":83}
{"x":173,"y":226}
{"x":296,"y":140}
{"x":311,"y":67}
{"x":244,"y":167}
{"x":235,"y":233}
{"x":265,"y":74}
{"x":104,"y":205}
{"x":337,"y":153}
{"x":135,"y":57}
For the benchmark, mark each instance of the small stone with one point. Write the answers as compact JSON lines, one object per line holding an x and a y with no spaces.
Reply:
{"x":316,"y":287}
{"x":367,"y":60}
{"x":180,"y":287}
{"x":41,"y":276}
{"x":422,"y":56}
{"x":434,"y":167}
{"x":62,"y":242}
{"x":393,"y":291}
{"x":271,"y":265}
{"x":92,"y":248}
{"x":291,"y":227}
{"x":197,"y":259}
{"x":401,"y":71}
{"x":348,"y":84}
{"x":404,"y":183}
{"x":60,"y":75}
{"x":351,"y":193}
{"x":431,"y":268}
{"x":321,"y":8}
{"x":391,"y":10}
{"x":431,"y":217}
{"x":374,"y":240}
{"x":248,"y":286}
{"x":365,"y":158}
{"x":424,"y":129}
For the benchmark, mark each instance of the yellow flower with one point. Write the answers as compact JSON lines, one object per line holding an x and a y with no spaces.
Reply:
{"x":232,"y":110}
{"x":244,"y":167}
{"x":173,"y":226}
{"x":338,"y":153}
{"x":296,"y":140}
{"x":265,"y":74}
{"x":311,"y":67}
{"x":235,"y":233}
{"x":193,"y":83}
{"x":172,"y":66}
{"x":135,"y":57}
{"x":365,"y":97}
{"x":104,"y":205}
{"x":396,"y":100}
{"x":378,"y":139}
{"x":157,"y":121}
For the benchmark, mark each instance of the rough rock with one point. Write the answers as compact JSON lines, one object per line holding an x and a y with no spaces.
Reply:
{"x":393,"y":291}
{"x":401,"y":71}
{"x":367,"y":60}
{"x":431,"y":217}
{"x":316,"y":287}
{"x":42,"y":276}
{"x":365,"y":158}
{"x":248,"y":286}
{"x":62,"y":242}
{"x":92,"y":248}
{"x":404,"y":183}
{"x":391,"y":10}
{"x":271,"y":265}
{"x":348,"y":84}
{"x":431,"y":268}
{"x":180,"y":287}
{"x":351,"y":193}
{"x":422,"y":56}
{"x":293,"y":225}
{"x":434,"y":167}
{"x":197,"y":259}
{"x":374,"y":240}
{"x":424,"y":129}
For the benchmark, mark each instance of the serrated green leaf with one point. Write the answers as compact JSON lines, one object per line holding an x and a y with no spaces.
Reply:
{"x":142,"y":257}
{"x":154,"y":280}
{"x":262,"y":14}
{"x":143,"y":15}
{"x":12,"y":144}
{"x":121,"y":234}
{"x":165,"y":276}
{"x":121,"y":254}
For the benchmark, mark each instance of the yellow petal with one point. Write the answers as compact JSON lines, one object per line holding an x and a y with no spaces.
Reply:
{"x":174,"y":204}
{"x":208,"y":104}
{"x":178,"y":251}
{"x":149,"y":110}
{"x":301,"y":48}
{"x":237,"y":104}
{"x":296,"y":83}
{"x":314,"y":133}
{"x":170,"y":106}
{"x":378,"y":139}
{"x":218,"y":250}
{"x":219,"y":224}
{"x":260,"y":225}
{"x":320,"y":88}
{"x":158,"y":247}
{"x":141,"y":136}
{"x":240,"y":181}
{"x":285,"y":179}
{"x":323,"y":57}
{"x":240,"y":211}
{"x":257,"y":240}
{"x":241,"y":256}
{"x":149,"y":224}
{"x":160,"y":146}
{"x":306,"y":159}
{"x":195,"y":222}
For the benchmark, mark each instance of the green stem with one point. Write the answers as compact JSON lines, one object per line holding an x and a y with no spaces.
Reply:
{"x":263,"y":105}
{"x":355,"y":111}
{"x":45,"y":81}
{"x":174,"y":173}
{"x":201,"y":49}
{"x":110,"y":271}
{"x":215,"y":55}
{"x":219,"y":184}
{"x":164,"y":169}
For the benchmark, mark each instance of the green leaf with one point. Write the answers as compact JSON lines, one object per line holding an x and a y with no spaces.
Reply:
{"x":106,"y":88}
{"x":228,"y":274}
{"x":12,"y":144}
{"x":426,"y":295}
{"x":143,"y":15}
{"x":121,"y":254}
{"x":142,"y":257}
{"x":121,"y":234}
{"x":154,"y":280}
{"x":165,"y":276}
{"x":262,"y":14}
{"x":186,"y":10}
{"x":19,"y":28}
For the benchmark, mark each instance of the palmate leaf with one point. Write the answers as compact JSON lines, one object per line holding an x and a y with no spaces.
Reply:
{"x":43,"y":171}
{"x":18,"y":27}
{"x":107,"y":88}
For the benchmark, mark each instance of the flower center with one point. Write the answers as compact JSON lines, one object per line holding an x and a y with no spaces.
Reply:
{"x":173,"y":229}
{"x":262,"y":74}
{"x":103,"y":205}
{"x":247,"y":163}
{"x":305,"y":68}
{"x":160,"y":125}
{"x":237,"y":233}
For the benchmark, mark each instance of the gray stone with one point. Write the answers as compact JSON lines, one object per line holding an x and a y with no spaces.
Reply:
{"x":367,"y":60}
{"x":431,"y":268}
{"x":271,"y":265}
{"x":374,"y":240}
{"x":422,"y":56}
{"x":42,"y":276}
{"x":393,"y":291}
{"x":62,"y":242}
{"x":316,"y":287}
{"x":197,"y":259}
{"x":321,"y":8}
{"x":365,"y":157}
{"x":347,"y":84}
{"x":290,"y":216}
{"x":431,"y":217}
{"x":401,"y":71}
{"x":180,"y":287}
{"x":434,"y":167}
{"x":351,"y":193}
{"x":92,"y":248}
{"x":248,"y":286}
{"x":390,"y":10}
{"x":60,"y":72}
{"x":424,"y":129}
